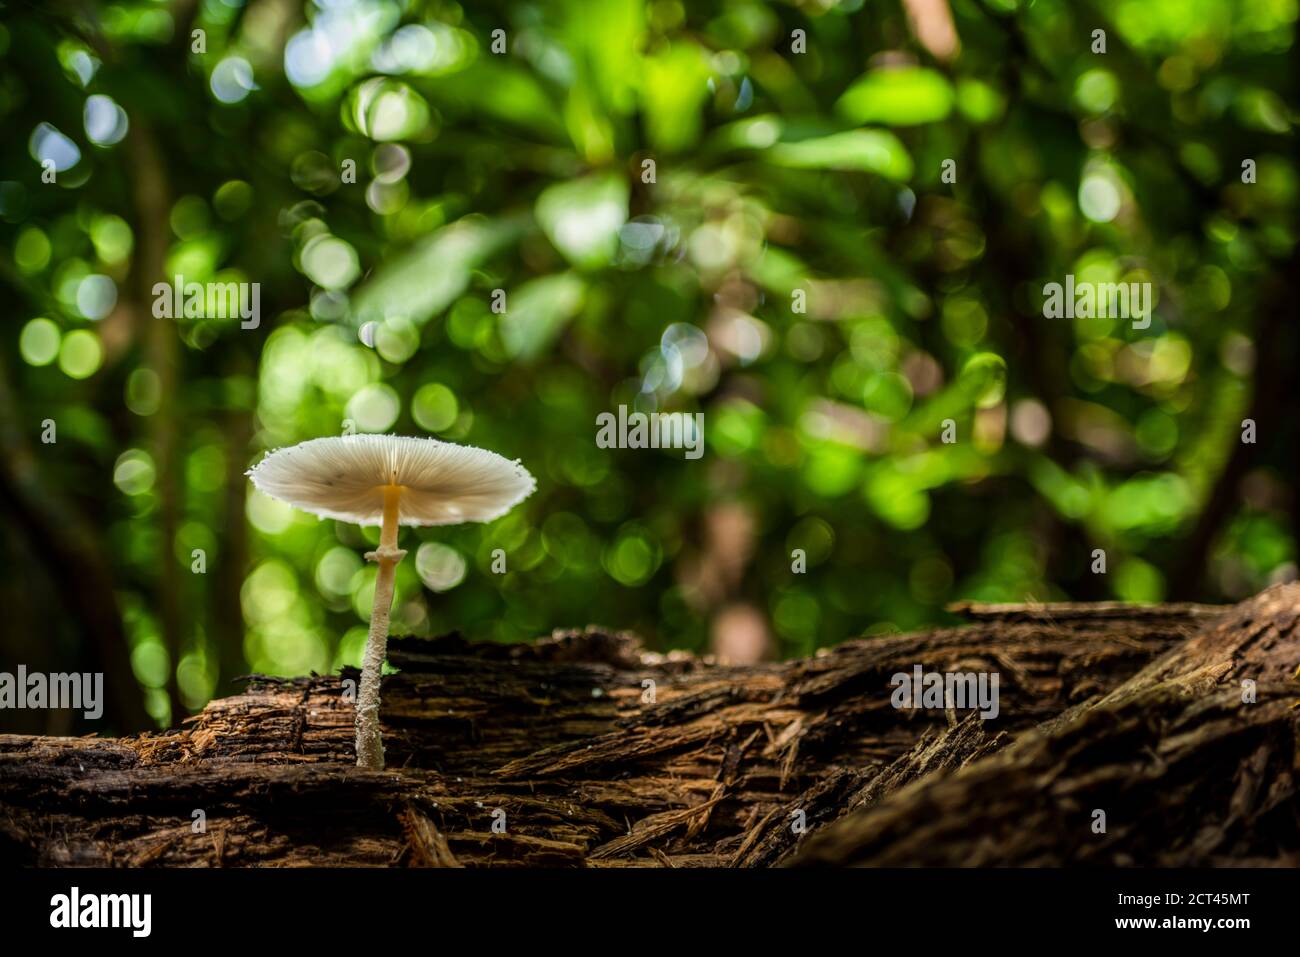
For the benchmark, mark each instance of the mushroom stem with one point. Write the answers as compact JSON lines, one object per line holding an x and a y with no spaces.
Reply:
{"x":370,"y":746}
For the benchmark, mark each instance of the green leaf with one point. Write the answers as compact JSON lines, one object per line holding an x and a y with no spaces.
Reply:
{"x":503,"y":91}
{"x":426,"y":278}
{"x":779,"y":271}
{"x":582,"y":218}
{"x":605,"y":40}
{"x":979,"y":102}
{"x":871,"y":151}
{"x":674,"y":88}
{"x":898,"y":97}
{"x":537,"y":311}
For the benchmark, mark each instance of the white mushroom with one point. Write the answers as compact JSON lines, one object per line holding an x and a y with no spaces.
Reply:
{"x":390,"y":480}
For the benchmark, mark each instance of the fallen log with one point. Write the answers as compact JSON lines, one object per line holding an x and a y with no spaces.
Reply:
{"x":584,"y":749}
{"x":1193,"y":761}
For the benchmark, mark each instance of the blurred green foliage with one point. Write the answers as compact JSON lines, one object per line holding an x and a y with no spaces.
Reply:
{"x":827,"y":227}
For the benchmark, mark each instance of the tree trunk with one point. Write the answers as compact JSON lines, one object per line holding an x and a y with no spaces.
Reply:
{"x":582,"y":749}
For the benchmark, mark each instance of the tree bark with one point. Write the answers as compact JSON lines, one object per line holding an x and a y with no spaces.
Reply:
{"x":582,"y":749}
{"x":1193,"y":761}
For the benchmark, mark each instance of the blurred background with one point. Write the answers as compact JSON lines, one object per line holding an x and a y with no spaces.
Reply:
{"x":826,"y":226}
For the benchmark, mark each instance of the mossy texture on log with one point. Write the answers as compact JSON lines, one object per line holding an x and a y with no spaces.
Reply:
{"x":554,"y":754}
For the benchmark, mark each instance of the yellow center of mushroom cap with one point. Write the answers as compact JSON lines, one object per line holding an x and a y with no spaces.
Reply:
{"x":388,"y":531}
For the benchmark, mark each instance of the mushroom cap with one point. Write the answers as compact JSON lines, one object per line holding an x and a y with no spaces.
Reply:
{"x":343,"y":477}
